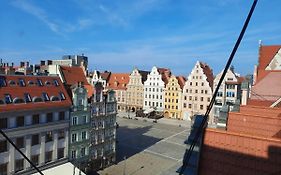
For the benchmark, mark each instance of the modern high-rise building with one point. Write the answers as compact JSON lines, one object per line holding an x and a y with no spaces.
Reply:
{"x":34,"y":113}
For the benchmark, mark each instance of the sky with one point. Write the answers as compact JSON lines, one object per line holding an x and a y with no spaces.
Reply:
{"x":120,"y":35}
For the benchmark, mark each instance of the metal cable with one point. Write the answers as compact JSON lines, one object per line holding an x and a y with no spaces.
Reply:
{"x":205,"y":119}
{"x":15,"y":146}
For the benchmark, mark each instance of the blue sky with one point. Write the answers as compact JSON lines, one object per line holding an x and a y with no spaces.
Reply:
{"x":118,"y":35}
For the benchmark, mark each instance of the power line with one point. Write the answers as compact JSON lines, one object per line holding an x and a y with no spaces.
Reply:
{"x":205,"y":119}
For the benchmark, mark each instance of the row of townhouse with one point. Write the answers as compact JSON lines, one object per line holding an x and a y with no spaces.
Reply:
{"x":56,"y":119}
{"x":175,"y":96}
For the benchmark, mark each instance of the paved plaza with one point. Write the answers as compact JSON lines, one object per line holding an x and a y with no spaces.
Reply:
{"x":144,"y":147}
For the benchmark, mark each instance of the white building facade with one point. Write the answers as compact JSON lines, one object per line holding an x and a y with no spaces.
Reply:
{"x":154,"y":88}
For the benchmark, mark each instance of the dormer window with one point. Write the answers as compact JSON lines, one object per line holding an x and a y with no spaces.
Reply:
{"x":62,"y":96}
{"x":12,"y":83}
{"x":27,"y":97}
{"x":2,"y":82}
{"x":56,"y":82}
{"x":47,"y":83}
{"x":45,"y":96}
{"x":39,"y":82}
{"x":8,"y":98}
{"x":31,"y":83}
{"x":2,"y":102}
{"x":21,"y":82}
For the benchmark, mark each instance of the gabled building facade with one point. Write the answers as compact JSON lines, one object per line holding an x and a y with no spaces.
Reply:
{"x":197,"y":91}
{"x":97,"y":77}
{"x":34,"y":113}
{"x":173,"y":97}
{"x":118,"y":82}
{"x":80,"y":127}
{"x":103,"y":131}
{"x":229,"y":93}
{"x":135,"y":89}
{"x":154,"y":88}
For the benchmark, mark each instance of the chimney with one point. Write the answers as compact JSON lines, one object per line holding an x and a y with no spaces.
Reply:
{"x":27,"y":64}
{"x":42,"y":63}
{"x":12,"y":64}
{"x":21,"y":64}
{"x":49,"y":62}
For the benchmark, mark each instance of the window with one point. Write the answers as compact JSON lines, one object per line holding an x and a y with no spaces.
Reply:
{"x":73,"y":154}
{"x":209,"y":99}
{"x":201,"y":107}
{"x":35,"y":139}
{"x":219,"y":94}
{"x":3,"y":146}
{"x":8,"y":98}
{"x":20,"y":142}
{"x":60,"y":153}
{"x":20,"y":121}
{"x":202,"y":98}
{"x":61,"y":115}
{"x":19,"y":165}
{"x":145,"y":103}
{"x":45,"y":96}
{"x":56,"y":82}
{"x":48,"y":156}
{"x":184,"y":105}
{"x":21,"y":82}
{"x":12,"y":83}
{"x":186,"y":90}
{"x":49,"y":117}
{"x":83,"y":151}
{"x":35,"y":119}
{"x":47,"y":83}
{"x":4,"y":169}
{"x":2,"y":82}
{"x":74,"y":121}
{"x":196,"y":91}
{"x":3,"y":123}
{"x":39,"y":82}
{"x":202,"y":91}
{"x":61,"y":134}
{"x":35,"y":159}
{"x":73,"y":137}
{"x":190,"y":83}
{"x":27,"y":97}
{"x":190,"y":97}
{"x":206,"y":92}
{"x":31,"y":83}
{"x":196,"y":84}
{"x":49,"y":136}
{"x":62,"y":97}
{"x":84,"y":135}
{"x":185,"y":97}
{"x":202,"y":84}
{"x":195,"y":98}
{"x":177,"y":100}
{"x":189,"y":106}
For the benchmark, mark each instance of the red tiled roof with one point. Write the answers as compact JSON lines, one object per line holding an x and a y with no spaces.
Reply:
{"x":16,"y":91}
{"x":266,"y":54}
{"x":208,"y":72}
{"x":181,"y":80}
{"x":105,"y":75}
{"x":118,"y":81}
{"x":165,"y":73}
{"x":73,"y":74}
{"x":268,"y":88}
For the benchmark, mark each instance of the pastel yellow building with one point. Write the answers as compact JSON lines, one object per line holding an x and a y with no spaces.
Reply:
{"x":173,"y":97}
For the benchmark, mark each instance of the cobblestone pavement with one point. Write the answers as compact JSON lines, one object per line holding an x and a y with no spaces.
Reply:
{"x":147,"y":148}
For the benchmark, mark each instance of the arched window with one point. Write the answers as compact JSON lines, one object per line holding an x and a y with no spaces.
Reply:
{"x":55,"y":98}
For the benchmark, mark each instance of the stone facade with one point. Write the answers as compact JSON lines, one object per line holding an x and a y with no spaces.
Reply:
{"x":135,"y":90}
{"x":197,"y":91}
